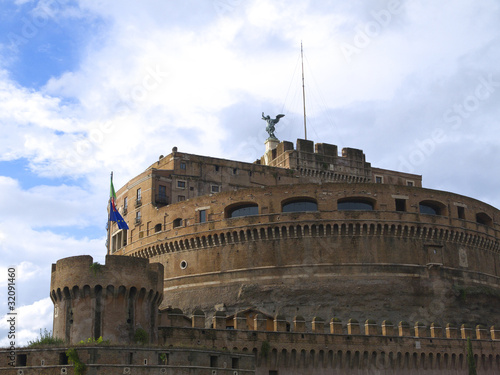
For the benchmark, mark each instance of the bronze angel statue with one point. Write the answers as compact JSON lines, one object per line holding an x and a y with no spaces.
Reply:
{"x":270,"y":124}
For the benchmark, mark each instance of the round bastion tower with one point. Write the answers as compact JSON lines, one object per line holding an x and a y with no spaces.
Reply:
{"x":111,"y":300}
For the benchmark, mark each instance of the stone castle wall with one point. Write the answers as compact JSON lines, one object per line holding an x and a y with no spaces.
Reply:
{"x":110,"y":300}
{"x":332,"y":347}
{"x":397,"y":264}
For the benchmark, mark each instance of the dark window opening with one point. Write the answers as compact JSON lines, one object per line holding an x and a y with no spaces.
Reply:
{"x":378,"y":179}
{"x":163,"y":358}
{"x":203,"y":216}
{"x":429,"y":209}
{"x":461,"y":212}
{"x":181,"y":184}
{"x":235,"y":170}
{"x":273,"y":372}
{"x":300,"y":206}
{"x":243,"y":210}
{"x":213,"y":361}
{"x":183,"y":166}
{"x":162,"y":198}
{"x":157,"y":228}
{"x":177,"y":223}
{"x":235,"y":363}
{"x":130,"y":358}
{"x":355,"y":205}
{"x":409,"y":183}
{"x":482,"y":218}
{"x":181,"y":198}
{"x":138,"y":200}
{"x":401,"y":205}
{"x":217,"y":168}
{"x":63,"y":358}
{"x":21,"y":360}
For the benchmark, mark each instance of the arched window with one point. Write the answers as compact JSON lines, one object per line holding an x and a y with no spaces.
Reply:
{"x":299,"y":205}
{"x":484,"y":219}
{"x":355,"y":204}
{"x":157,"y":228}
{"x":431,"y":208}
{"x":177,"y":223}
{"x":241,"y":209}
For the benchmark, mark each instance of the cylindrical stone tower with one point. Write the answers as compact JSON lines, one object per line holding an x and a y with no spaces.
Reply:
{"x":112,"y":300}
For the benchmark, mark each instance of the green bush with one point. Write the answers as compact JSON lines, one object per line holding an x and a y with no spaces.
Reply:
{"x":141,"y":336}
{"x":79,"y":366}
{"x":45,"y":339}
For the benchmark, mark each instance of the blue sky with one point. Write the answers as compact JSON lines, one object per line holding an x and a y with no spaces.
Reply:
{"x":90,"y":87}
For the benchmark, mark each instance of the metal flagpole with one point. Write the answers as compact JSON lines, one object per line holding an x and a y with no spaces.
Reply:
{"x":109,"y":217}
{"x":303,"y":90}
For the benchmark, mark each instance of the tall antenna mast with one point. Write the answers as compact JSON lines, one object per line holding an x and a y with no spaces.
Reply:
{"x":303,"y":90}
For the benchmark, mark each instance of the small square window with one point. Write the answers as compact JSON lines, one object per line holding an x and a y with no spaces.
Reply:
{"x":183,"y":165}
{"x":215,"y":188}
{"x":409,"y":183}
{"x":181,"y":184}
{"x":401,"y":205}
{"x":379,"y":179}
{"x":181,"y":198}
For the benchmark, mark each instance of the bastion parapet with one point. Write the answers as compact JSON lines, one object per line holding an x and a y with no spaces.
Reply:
{"x":111,"y":300}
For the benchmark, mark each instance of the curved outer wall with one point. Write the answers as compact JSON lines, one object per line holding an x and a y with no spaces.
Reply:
{"x":110,"y":300}
{"x":382,"y":263}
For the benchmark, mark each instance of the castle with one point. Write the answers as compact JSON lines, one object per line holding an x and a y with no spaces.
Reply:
{"x":303,"y":262}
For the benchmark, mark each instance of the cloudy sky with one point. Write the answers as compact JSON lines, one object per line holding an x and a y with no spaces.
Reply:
{"x":89,"y":87}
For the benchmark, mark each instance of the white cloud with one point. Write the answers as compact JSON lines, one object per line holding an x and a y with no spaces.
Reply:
{"x":30,"y":319}
{"x":160,"y":74}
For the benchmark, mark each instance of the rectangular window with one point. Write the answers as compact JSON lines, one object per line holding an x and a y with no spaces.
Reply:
{"x":21,"y":360}
{"x":181,"y":184}
{"x":203,"y":216}
{"x":217,"y":168}
{"x":214,"y":188}
{"x":163,"y":358}
{"x":213,"y":361}
{"x":401,"y":205}
{"x":130,"y":358}
{"x":409,"y":183}
{"x":379,"y":179}
{"x":181,"y":198}
{"x":183,"y":165}
{"x":138,"y":217}
{"x":139,"y":194}
{"x":461,"y":212}
{"x":235,"y":363}
{"x":235,"y":170}
{"x":125,"y":203}
{"x":162,"y":190}
{"x":63,"y":358}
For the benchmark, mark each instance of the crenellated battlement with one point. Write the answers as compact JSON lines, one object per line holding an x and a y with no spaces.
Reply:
{"x":252,"y":320}
{"x":87,"y":296}
{"x":316,"y":344}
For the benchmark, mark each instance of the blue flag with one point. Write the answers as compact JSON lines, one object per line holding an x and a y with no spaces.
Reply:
{"x":115,"y":216}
